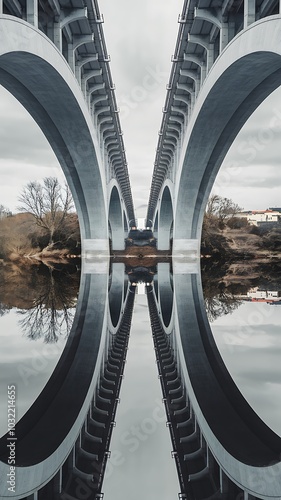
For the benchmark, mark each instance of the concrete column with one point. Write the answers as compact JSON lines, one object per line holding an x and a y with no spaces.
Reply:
{"x":32,"y":12}
{"x":78,"y":73}
{"x":210,"y":461}
{"x":1,"y":7}
{"x":210,"y":56}
{"x":249,"y":12}
{"x":186,"y":256}
{"x":224,"y":36}
{"x":192,"y":101}
{"x":95,"y":256}
{"x":50,"y":30}
{"x":248,"y":496}
{"x":57,"y":483}
{"x":231,"y":30}
{"x":197,"y":86}
{"x":224,"y":482}
{"x":203,"y":73}
{"x":71,"y":459}
{"x":84,"y":88}
{"x":71,"y":56}
{"x":58,"y":35}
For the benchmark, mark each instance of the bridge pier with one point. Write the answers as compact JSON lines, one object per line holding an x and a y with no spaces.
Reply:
{"x":186,"y":256}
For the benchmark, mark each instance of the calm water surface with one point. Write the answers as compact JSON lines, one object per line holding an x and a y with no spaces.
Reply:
{"x":37,"y":307}
{"x":36,"y":314}
{"x":140,"y":465}
{"x":245,"y":319}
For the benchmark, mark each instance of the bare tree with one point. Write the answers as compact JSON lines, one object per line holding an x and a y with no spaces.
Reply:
{"x":53,"y":308}
{"x":48,"y":203}
{"x":221,"y":208}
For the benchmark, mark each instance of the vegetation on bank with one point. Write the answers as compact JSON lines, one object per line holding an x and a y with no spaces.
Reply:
{"x":228,"y":237}
{"x":45,"y":228}
{"x":225,"y":284}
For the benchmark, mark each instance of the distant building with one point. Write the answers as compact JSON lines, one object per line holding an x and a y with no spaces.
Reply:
{"x":268,"y":296}
{"x":262,"y":217}
{"x":244,"y":214}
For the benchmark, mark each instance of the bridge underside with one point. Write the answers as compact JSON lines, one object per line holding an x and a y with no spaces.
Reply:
{"x":221,"y":447}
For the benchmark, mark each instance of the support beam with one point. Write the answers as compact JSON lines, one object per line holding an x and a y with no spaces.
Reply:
{"x":249,"y":12}
{"x":224,"y":482}
{"x":81,"y":62}
{"x":224,"y":35}
{"x":193,"y":74}
{"x":248,"y":496}
{"x":75,"y":42}
{"x":58,"y":35}
{"x":70,"y":15}
{"x":203,"y":40}
{"x":87,"y":76}
{"x":32,"y":12}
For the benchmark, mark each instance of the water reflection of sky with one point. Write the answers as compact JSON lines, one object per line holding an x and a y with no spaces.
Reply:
{"x":249,"y":341}
{"x":140,"y":466}
{"x":26,"y":363}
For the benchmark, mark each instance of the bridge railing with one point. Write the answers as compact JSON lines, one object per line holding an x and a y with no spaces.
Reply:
{"x":204,"y":32}
{"x":76,"y":30}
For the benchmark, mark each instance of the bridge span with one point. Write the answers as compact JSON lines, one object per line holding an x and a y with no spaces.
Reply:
{"x":227,"y":60}
{"x":53,"y":59}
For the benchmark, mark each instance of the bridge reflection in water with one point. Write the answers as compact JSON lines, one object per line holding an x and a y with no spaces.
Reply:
{"x":221,"y":448}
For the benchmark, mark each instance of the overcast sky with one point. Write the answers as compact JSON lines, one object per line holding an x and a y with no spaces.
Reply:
{"x":141,"y":38}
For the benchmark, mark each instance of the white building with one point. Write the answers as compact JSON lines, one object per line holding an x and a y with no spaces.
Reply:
{"x":255,"y":294}
{"x":259,"y":217}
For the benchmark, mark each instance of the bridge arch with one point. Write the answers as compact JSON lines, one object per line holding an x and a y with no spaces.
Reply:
{"x":245,"y":73}
{"x":36,"y":73}
{"x":115,"y":219}
{"x":117,"y":292}
{"x":165,"y":218}
{"x":165,"y":294}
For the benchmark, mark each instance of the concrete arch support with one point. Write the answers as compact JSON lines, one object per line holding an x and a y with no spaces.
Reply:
{"x":36,"y":73}
{"x":165,"y":220}
{"x":248,"y":70}
{"x":243,"y":76}
{"x":115,"y":217}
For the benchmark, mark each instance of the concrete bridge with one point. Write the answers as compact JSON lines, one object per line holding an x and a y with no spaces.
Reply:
{"x":227,"y":60}
{"x":53,"y":59}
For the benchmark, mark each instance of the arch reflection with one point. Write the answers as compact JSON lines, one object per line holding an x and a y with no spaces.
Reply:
{"x":219,"y":443}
